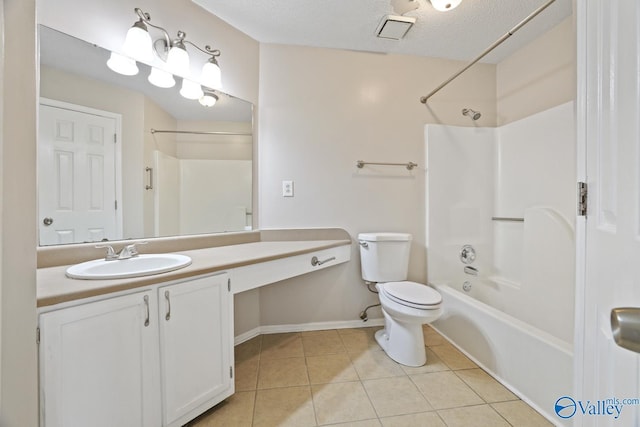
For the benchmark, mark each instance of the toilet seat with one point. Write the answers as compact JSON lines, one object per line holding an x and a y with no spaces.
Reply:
{"x":412,"y":294}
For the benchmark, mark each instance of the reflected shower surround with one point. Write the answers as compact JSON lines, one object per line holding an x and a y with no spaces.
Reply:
{"x":167,"y":57}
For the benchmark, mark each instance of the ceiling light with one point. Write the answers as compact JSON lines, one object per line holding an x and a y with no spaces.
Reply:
{"x":122,"y":65}
{"x":191,"y":89}
{"x":445,"y":5}
{"x":209,"y":99}
{"x":404,"y":6}
{"x":161,"y":78}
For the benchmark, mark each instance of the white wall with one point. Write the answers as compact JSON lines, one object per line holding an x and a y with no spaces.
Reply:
{"x":18,"y":241}
{"x":321,"y":110}
{"x":540,"y":75}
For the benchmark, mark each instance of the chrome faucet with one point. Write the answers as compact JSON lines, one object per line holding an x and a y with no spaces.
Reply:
{"x":111,"y":254}
{"x":129,"y":251}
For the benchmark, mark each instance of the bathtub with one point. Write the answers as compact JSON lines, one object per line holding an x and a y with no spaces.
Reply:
{"x":533,"y":364}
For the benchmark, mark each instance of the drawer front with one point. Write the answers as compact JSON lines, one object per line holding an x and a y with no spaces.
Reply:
{"x":264,"y":273}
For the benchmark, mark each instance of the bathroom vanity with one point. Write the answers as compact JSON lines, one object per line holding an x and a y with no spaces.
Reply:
{"x":157,"y":350}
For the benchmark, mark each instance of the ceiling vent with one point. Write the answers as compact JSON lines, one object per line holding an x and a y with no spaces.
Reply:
{"x":394,"y":27}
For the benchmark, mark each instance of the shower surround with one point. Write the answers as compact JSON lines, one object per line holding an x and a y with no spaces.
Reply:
{"x":510,"y":193}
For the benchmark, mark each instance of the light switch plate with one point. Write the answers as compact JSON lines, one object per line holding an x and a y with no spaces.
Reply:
{"x":287,"y":188}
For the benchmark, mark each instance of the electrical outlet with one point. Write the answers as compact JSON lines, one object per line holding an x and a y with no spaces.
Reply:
{"x":287,"y":188}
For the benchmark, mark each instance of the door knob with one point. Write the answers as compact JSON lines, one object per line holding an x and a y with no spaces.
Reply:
{"x":625,"y":326}
{"x":47,"y":221}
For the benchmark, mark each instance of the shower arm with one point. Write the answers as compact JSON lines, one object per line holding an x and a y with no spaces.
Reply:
{"x":498,"y":42}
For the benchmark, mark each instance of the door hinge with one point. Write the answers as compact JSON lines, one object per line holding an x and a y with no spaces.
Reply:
{"x":38,"y":335}
{"x":582,"y":198}
{"x":115,"y":203}
{"x":231,"y":372}
{"x":229,"y":285}
{"x":115,"y":138}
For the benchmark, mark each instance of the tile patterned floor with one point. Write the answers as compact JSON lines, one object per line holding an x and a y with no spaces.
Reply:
{"x":343,"y":378}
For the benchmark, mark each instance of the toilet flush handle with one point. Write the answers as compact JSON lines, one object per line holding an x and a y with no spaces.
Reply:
{"x":363,"y":244}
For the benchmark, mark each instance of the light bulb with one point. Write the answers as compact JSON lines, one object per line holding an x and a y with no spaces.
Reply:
{"x":191,"y":89}
{"x":161,"y":78}
{"x":178,"y":61}
{"x":122,"y":65}
{"x":138,"y":43}
{"x":211,"y":75}
{"x":445,"y":5}
{"x":208,"y":99}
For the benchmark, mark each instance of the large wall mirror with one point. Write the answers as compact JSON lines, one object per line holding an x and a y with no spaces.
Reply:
{"x":120,"y":158}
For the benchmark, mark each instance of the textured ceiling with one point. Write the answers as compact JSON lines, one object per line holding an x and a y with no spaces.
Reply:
{"x":462,"y":33}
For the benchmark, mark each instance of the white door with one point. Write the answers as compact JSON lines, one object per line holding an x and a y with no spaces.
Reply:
{"x":76,"y":176}
{"x":196,"y":347}
{"x":608,"y":121}
{"x":99,"y":364}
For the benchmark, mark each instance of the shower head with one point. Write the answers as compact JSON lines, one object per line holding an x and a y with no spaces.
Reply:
{"x":475,"y":115}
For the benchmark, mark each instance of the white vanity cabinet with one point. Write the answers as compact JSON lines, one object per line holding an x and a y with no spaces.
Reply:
{"x":145,"y":359}
{"x":98,"y":364}
{"x":196,"y":347}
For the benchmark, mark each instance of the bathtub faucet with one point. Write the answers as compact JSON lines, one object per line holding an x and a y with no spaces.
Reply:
{"x":470,"y":270}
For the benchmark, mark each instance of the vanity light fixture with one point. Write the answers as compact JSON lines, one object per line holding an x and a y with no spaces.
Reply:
{"x":209,"y":99}
{"x":445,"y":5}
{"x":139,"y":46}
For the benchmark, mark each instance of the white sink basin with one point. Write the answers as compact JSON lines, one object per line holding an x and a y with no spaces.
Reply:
{"x":140,"y":265}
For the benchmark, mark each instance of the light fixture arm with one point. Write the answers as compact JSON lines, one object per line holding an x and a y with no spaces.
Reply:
{"x":207,"y":49}
{"x":146,"y":18}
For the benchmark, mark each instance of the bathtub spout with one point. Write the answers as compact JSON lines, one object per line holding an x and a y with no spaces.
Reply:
{"x":471,"y":270}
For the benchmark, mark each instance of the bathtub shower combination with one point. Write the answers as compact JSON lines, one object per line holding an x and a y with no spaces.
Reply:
{"x":507,"y":196}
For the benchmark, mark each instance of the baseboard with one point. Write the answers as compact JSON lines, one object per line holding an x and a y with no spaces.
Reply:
{"x":302,"y":327}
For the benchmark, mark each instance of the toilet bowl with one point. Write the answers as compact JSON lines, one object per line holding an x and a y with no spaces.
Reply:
{"x":406,"y":306}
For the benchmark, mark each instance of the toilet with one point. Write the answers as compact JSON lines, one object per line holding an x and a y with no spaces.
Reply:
{"x":406,"y":306}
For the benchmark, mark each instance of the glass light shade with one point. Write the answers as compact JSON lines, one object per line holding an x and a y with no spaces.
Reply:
{"x":211,"y":76}
{"x":138,"y":44}
{"x":122,"y":65}
{"x":161,"y":78}
{"x":445,"y":5}
{"x":208,"y":99}
{"x":191,"y":89}
{"x":178,"y":61}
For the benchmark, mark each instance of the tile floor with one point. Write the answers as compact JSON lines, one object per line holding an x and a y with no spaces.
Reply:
{"x":342,"y":377}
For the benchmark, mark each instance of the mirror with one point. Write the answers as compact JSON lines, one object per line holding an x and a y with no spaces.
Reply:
{"x":120,"y":158}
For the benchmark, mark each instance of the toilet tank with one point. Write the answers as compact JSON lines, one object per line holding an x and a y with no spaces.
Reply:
{"x":384,"y":257}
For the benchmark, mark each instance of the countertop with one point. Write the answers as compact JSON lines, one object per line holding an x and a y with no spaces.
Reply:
{"x":53,"y":287}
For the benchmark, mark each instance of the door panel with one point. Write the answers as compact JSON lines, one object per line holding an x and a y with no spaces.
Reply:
{"x":76,"y":176}
{"x":608,"y":36}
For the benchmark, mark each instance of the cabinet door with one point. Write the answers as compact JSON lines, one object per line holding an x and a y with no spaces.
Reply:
{"x":196,"y":347}
{"x":99,"y":364}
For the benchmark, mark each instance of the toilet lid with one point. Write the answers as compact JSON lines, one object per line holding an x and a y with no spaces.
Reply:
{"x":412,"y":294}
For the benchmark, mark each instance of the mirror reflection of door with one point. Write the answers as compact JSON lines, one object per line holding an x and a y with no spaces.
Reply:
{"x":77,"y":174}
